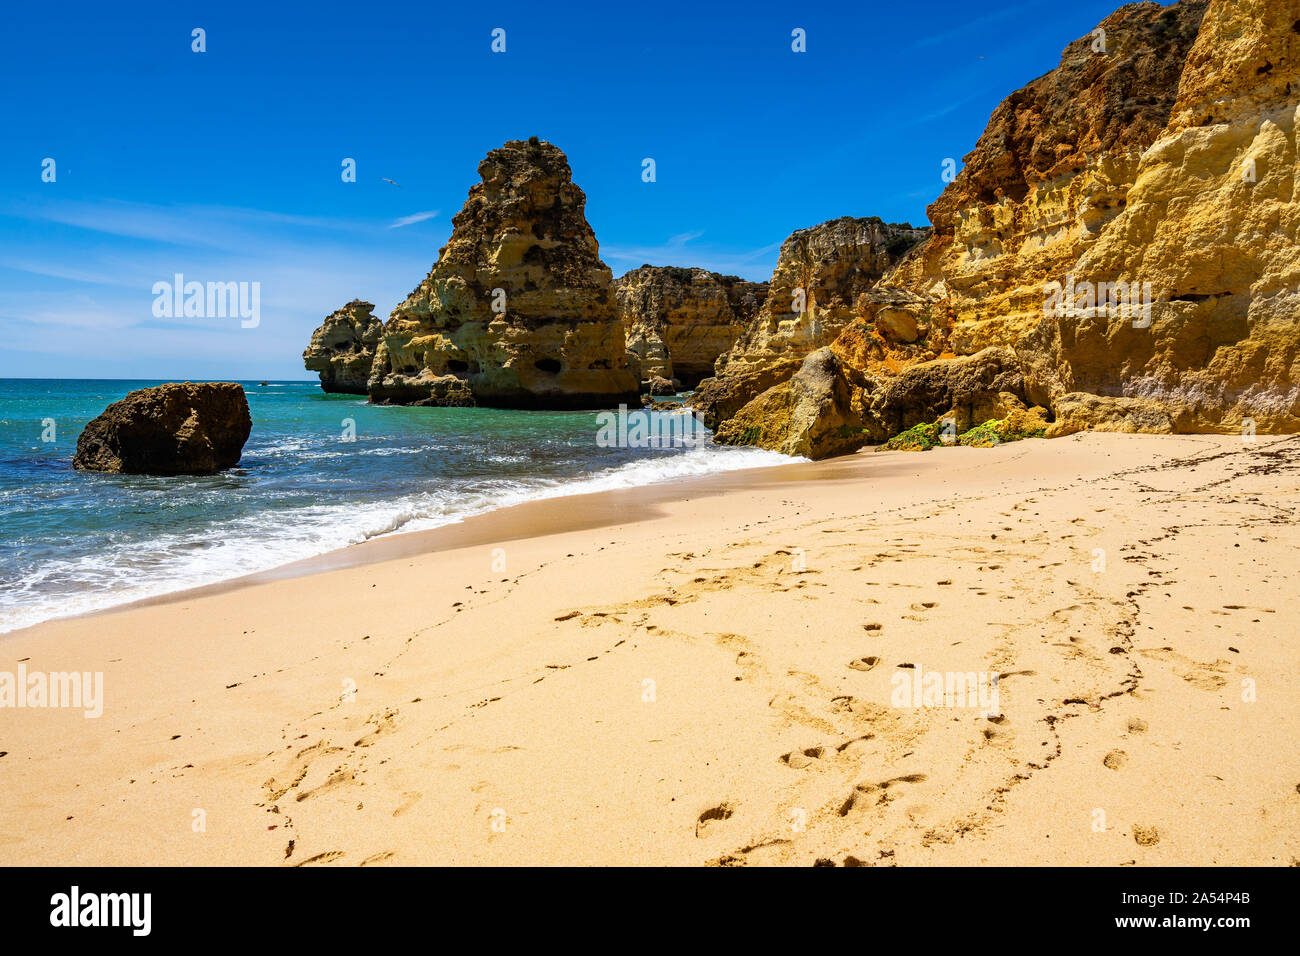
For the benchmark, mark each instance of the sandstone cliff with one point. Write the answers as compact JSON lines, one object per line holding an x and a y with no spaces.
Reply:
{"x":679,"y":321}
{"x":1168,"y":160}
{"x":831,"y":264}
{"x":1125,"y":231}
{"x":820,"y":276}
{"x":519,"y":310}
{"x":174,"y":429}
{"x":832,"y":406}
{"x":342,"y":350}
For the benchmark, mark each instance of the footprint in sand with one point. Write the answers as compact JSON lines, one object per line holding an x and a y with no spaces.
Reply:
{"x":845,"y":704}
{"x":1136,"y":725}
{"x":1115,"y":759}
{"x":864,"y":663}
{"x":1206,"y":676}
{"x":875,"y":792}
{"x":409,"y":799}
{"x":799,"y":759}
{"x":336,"y":779}
{"x":298,"y":769}
{"x":704,"y":823}
{"x":381,"y":724}
{"x":855,"y":747}
{"x":1146,"y":836}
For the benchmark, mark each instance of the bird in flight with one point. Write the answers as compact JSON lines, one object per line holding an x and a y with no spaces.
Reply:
{"x":387,"y":180}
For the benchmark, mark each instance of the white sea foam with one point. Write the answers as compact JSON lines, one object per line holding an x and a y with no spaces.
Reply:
{"x":171,"y":563}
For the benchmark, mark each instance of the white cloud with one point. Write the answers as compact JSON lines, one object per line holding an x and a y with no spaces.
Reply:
{"x":413,"y":218}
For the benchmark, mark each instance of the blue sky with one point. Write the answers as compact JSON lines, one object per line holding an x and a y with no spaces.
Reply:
{"x":225,"y":165}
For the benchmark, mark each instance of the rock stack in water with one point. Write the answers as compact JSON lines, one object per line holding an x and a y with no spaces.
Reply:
{"x":678,"y":321}
{"x":519,"y":310}
{"x":342,"y":350}
{"x":174,"y":429}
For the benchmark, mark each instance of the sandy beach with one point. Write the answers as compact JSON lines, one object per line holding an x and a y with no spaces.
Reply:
{"x":705,"y":672}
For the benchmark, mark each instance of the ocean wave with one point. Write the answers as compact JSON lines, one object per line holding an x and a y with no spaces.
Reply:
{"x":233,"y":549}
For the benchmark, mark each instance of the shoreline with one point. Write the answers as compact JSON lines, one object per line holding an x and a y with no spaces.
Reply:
{"x":393,"y":544}
{"x":702,"y":673}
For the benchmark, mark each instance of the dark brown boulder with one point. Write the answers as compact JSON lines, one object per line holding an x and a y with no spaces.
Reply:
{"x":970,"y":389}
{"x":175,"y":429}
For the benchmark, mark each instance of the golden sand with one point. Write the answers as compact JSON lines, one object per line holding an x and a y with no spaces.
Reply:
{"x":707,"y":672}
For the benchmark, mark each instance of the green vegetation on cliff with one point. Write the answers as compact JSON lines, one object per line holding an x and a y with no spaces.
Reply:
{"x":1017,"y":426}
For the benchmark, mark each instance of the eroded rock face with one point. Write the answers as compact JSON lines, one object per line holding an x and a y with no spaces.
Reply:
{"x":519,"y":310}
{"x":1163,"y":164}
{"x":175,"y":429}
{"x":832,"y":407}
{"x":720,"y":397}
{"x":817,"y":412}
{"x":342,"y":350}
{"x":1169,"y":161}
{"x":967,"y":391}
{"x":832,"y":264}
{"x":831,"y":267}
{"x":1079,"y":411}
{"x":679,"y":321}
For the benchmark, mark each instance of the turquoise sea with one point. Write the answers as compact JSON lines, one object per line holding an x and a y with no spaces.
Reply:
{"x":74,"y":541}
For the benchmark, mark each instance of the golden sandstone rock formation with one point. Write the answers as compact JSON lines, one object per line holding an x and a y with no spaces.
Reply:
{"x":820,"y":274}
{"x":1119,"y":252}
{"x":342,"y":350}
{"x":679,"y":321}
{"x":519,"y":310}
{"x":1125,"y":233}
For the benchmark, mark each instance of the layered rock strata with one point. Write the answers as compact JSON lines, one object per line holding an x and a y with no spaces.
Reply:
{"x":519,"y":310}
{"x":342,"y":350}
{"x":821,"y":275}
{"x":1127,"y":224}
{"x":1126,"y":235}
{"x":678,"y":321}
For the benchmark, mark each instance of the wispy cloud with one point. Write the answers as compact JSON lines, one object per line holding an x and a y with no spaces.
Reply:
{"x":53,"y":270}
{"x":413,"y":218}
{"x":195,"y":226}
{"x":96,"y":275}
{"x":683,"y":237}
{"x":964,"y":30}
